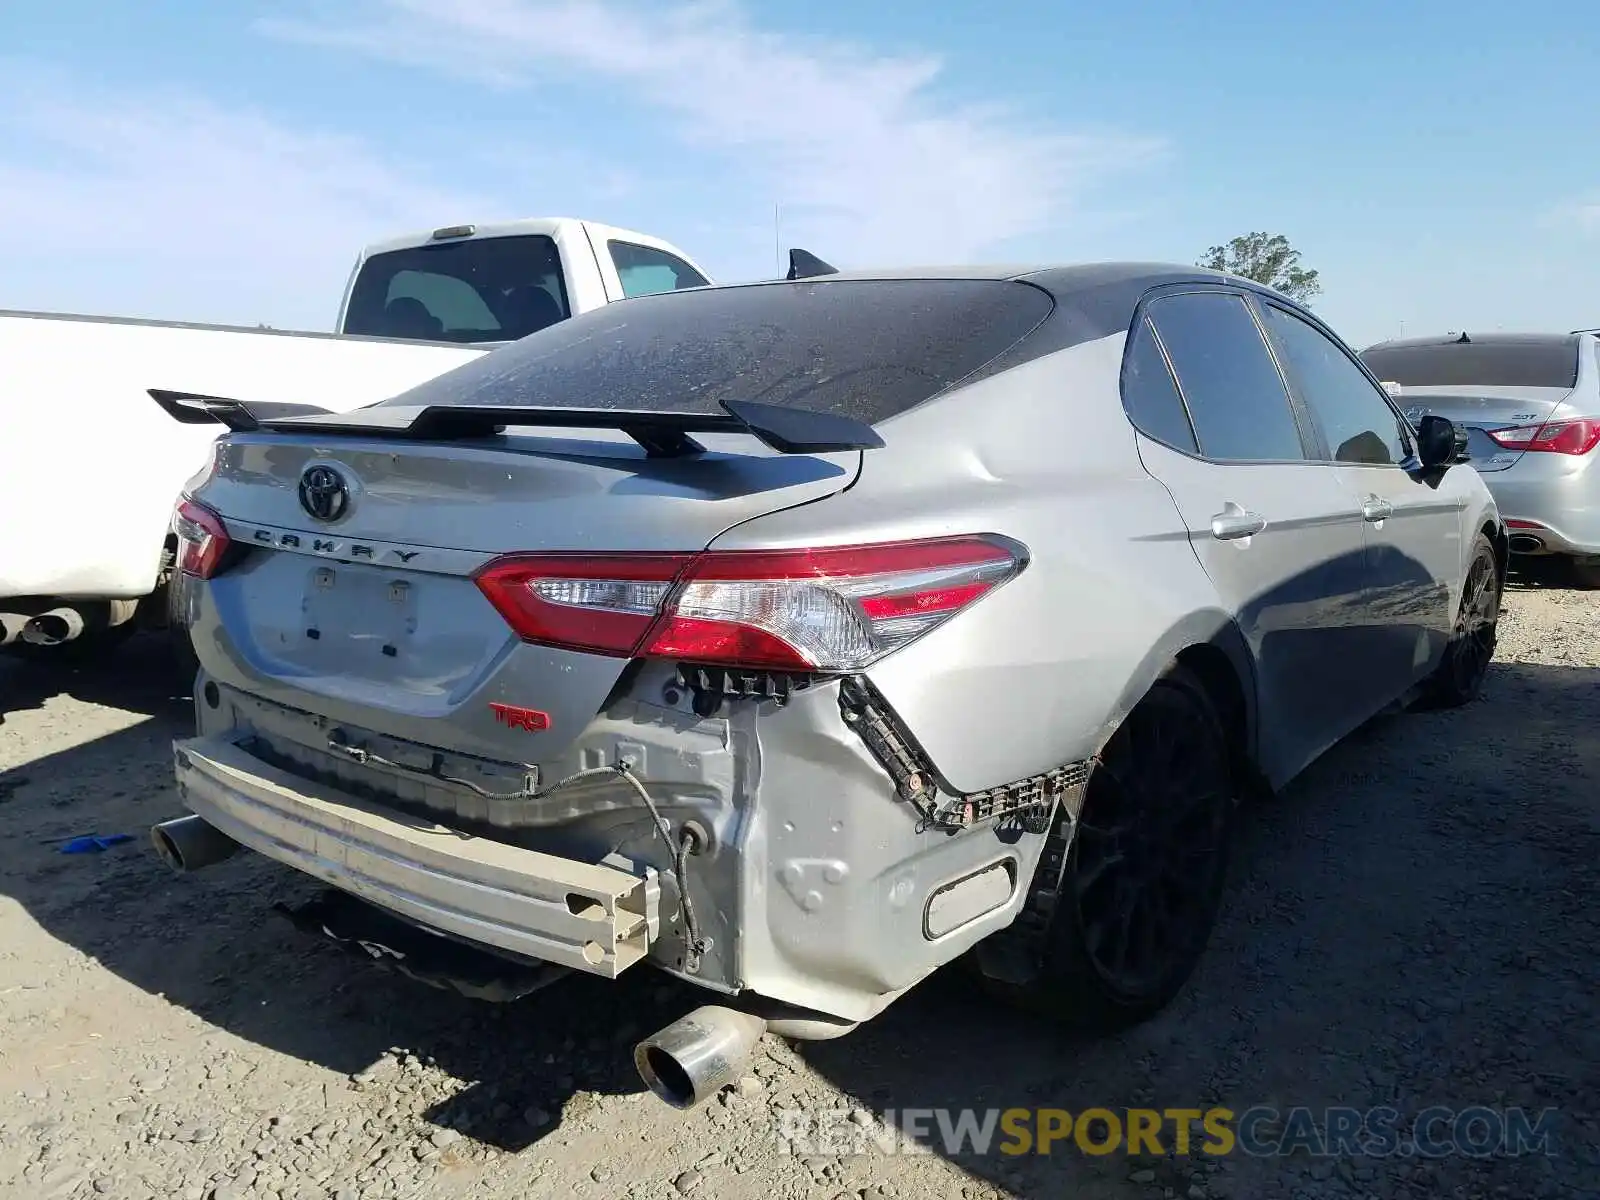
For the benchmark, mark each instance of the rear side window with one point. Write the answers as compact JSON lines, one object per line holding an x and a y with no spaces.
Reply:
{"x":644,"y":270}
{"x":1149,"y":394}
{"x":488,"y":290}
{"x":1525,"y":362}
{"x":1234,"y":393}
{"x":866,"y":348}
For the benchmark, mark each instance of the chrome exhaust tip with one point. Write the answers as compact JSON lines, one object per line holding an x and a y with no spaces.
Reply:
{"x":698,"y":1055}
{"x":54,"y":627}
{"x":189,"y":843}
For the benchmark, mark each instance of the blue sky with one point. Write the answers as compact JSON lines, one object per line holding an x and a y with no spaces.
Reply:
{"x":205,"y":161}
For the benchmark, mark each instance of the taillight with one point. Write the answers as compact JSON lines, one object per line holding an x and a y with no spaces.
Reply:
{"x":830,"y":609}
{"x":202,"y":540}
{"x":604,"y":604}
{"x":1554,"y":437}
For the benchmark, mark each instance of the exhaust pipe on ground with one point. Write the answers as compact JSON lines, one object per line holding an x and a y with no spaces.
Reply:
{"x":698,"y":1055}
{"x":189,"y":843}
{"x":11,"y":625}
{"x":54,"y":627}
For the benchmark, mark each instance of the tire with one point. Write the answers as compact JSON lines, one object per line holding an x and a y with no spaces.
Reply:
{"x":185,"y":665}
{"x":1459,"y":677}
{"x":1153,"y":835}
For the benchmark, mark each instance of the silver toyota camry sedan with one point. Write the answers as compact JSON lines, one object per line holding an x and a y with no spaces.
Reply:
{"x":799,"y":638}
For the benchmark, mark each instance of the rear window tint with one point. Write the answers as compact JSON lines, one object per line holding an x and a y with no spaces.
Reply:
{"x":487,"y":290}
{"x":1547,"y":363}
{"x":867,"y":349}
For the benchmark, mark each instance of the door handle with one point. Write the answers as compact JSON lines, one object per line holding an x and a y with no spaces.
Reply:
{"x":1235,"y":522}
{"x":1375,"y":509}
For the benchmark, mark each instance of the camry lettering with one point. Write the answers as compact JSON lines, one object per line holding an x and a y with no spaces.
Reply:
{"x":331,"y":546}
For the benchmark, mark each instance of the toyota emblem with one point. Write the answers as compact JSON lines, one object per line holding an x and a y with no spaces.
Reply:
{"x":324,"y":493}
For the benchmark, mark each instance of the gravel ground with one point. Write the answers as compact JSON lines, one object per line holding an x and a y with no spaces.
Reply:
{"x":1412,"y":924}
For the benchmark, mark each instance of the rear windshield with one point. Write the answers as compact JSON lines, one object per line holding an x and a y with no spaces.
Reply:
{"x":867,"y":349}
{"x":1547,"y":363}
{"x":487,"y":290}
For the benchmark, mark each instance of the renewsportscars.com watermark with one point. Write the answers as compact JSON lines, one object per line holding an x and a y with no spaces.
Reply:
{"x":1262,"y":1131}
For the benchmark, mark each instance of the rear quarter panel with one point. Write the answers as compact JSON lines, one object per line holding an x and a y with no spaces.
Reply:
{"x":1480,"y":511}
{"x":1040,"y":672}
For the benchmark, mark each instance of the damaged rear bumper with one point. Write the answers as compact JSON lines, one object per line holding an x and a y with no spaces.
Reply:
{"x":589,"y":917}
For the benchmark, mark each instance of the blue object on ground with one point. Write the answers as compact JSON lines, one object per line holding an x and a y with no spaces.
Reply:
{"x":93,"y":845}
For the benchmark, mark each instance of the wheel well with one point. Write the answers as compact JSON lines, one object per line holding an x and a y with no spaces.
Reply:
{"x":1216,"y":673}
{"x":154,"y":609}
{"x":1501,"y":541}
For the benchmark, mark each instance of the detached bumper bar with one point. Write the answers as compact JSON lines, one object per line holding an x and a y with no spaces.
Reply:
{"x":591,"y":918}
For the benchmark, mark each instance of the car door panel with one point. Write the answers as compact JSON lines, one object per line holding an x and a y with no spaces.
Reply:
{"x":1413,"y":537}
{"x":1297,"y":585}
{"x":1412,"y":527}
{"x":1280,"y":536}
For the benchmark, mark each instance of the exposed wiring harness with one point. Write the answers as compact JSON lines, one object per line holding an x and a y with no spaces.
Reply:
{"x":686,"y":844}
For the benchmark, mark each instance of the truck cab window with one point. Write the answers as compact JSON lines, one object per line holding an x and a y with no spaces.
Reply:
{"x":441,"y":302}
{"x":492,"y":289}
{"x":644,"y":270}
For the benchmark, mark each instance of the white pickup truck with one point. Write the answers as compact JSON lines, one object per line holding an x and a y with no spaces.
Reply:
{"x":90,"y":466}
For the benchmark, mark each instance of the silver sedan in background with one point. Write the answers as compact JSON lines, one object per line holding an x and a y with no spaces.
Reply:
{"x":1531,"y":406}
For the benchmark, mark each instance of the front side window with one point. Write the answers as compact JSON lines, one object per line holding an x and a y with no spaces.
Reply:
{"x":1234,"y":393}
{"x":645,"y":271}
{"x":1356,"y":421}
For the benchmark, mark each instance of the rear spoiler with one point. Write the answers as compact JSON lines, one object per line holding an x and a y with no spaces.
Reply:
{"x":195,"y":408}
{"x":662,"y":434}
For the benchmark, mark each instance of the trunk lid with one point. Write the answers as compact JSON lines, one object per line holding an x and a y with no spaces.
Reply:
{"x":1480,"y":410}
{"x":373,"y":617}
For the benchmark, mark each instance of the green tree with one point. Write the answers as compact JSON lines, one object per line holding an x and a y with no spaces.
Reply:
{"x":1268,"y":259}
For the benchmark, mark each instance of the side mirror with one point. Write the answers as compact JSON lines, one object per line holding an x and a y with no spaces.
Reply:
{"x":1440,"y":442}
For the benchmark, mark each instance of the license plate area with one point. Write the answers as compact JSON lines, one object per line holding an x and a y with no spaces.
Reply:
{"x":360,"y":610}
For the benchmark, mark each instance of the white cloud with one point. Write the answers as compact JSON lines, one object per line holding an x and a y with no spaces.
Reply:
{"x":161,"y":203}
{"x":871,"y":166}
{"x":157,"y":201}
{"x":1581,"y":214}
